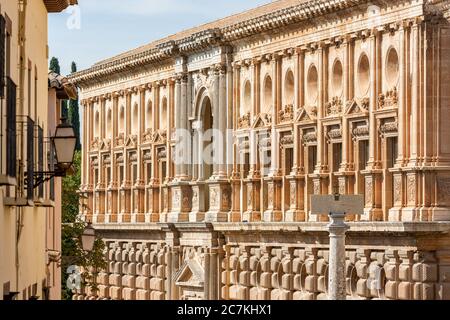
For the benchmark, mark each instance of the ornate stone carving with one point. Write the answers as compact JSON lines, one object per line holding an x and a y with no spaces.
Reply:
{"x":309,"y":137}
{"x":287,"y":140}
{"x":286,"y":114}
{"x":120,"y":140}
{"x":147,"y":136}
{"x":411,"y":187}
{"x":398,"y":190}
{"x":443,"y":185}
{"x":361,"y":132}
{"x":388,"y":100}
{"x":388,"y":128}
{"x":369,"y":191}
{"x":95,"y":143}
{"x":244,"y":121}
{"x":293,"y":192}
{"x":335,"y":134}
{"x":334,"y":107}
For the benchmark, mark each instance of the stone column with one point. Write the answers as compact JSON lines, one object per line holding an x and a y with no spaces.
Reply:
{"x":336,"y":277}
{"x":219,"y":188}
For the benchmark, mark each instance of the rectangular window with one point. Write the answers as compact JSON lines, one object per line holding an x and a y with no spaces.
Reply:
{"x":121,"y":171}
{"x":337,"y":156}
{"x":163,"y":172}
{"x":108,"y":175}
{"x":134,"y":172}
{"x":392,"y":152}
{"x":288,"y":161}
{"x":95,"y":177}
{"x":363,"y":154}
{"x":11,"y":128}
{"x":246,"y":165}
{"x":149,"y":172}
{"x":312,"y":159}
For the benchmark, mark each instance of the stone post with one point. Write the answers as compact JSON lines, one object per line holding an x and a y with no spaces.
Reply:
{"x":336,"y":277}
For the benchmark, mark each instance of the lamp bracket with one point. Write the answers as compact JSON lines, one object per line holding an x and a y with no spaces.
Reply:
{"x":40,"y":177}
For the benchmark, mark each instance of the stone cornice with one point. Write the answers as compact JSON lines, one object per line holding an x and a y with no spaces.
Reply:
{"x":216,"y":36}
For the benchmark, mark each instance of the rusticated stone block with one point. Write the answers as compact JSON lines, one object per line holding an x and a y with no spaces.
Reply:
{"x":276,"y":280}
{"x":156,"y":295}
{"x":390,"y":271}
{"x":309,"y":296}
{"x":157,"y":284}
{"x":404,"y":291}
{"x":391,"y":289}
{"x":161,"y":258}
{"x":298,"y":295}
{"x":266,"y":280}
{"x":160,"y":271}
{"x":143,"y":283}
{"x":254,"y":279}
{"x":131,"y":270}
{"x":129,"y":281}
{"x":424,"y":272}
{"x":129,"y":294}
{"x":423,"y":291}
{"x":234,"y":277}
{"x":362,"y":289}
{"x":145,"y":270}
{"x":118,"y":267}
{"x":244,"y":278}
{"x":103,"y":291}
{"x":142,"y":295}
{"x":298,"y":282}
{"x":223,"y":277}
{"x":404,"y":273}
{"x":103,"y":278}
{"x":287,"y":281}
{"x":115,"y":280}
{"x":263,"y":294}
{"x":153,"y":270}
{"x":225,"y":292}
{"x":311,"y":283}
{"x":115,"y":293}
{"x":322,"y":284}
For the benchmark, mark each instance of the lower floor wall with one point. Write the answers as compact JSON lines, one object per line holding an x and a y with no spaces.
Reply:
{"x":271,"y":261}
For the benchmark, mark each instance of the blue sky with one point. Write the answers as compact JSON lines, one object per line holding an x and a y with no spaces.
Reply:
{"x":99,"y":29}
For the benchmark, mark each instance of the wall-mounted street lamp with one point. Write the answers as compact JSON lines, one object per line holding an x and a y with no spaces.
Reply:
{"x":64,"y":143}
{"x":88,"y":238}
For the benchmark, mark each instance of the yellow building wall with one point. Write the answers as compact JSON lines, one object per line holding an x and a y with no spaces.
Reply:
{"x":23,"y":230}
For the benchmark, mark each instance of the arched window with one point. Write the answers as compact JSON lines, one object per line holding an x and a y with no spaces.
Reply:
{"x":246,"y":105}
{"x":163,"y":118}
{"x":135,"y":125}
{"x":109,"y":123}
{"x":363,"y":79}
{"x":268,"y":96}
{"x":97,"y":124}
{"x":289,"y":88}
{"x":121,"y":123}
{"x":312,"y":85}
{"x":337,"y":79}
{"x":149,"y":115}
{"x":392,"y":68}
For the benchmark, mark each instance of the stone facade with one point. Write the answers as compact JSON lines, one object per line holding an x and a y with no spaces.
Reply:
{"x":309,"y":97}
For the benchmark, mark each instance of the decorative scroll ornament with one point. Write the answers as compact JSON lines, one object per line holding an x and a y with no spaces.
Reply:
{"x":310,"y":137}
{"x":388,"y":129}
{"x":287,"y":113}
{"x":287,"y":140}
{"x":334,"y":107}
{"x":388,"y":100}
{"x":335,"y":134}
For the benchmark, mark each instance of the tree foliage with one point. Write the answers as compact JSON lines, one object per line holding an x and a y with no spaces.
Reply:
{"x":54,"y":65}
{"x":72,"y":252}
{"x":74,"y":115}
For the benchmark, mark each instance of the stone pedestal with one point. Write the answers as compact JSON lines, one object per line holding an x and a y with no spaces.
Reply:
{"x":274,"y":188}
{"x":152,"y":203}
{"x":111,"y":205}
{"x":235,"y":214}
{"x":336,"y":275}
{"x":164,"y":203}
{"x":372,"y":211}
{"x":181,"y":202}
{"x":296,"y":211}
{"x":320,"y":186}
{"x":197,"y":213}
{"x":219,"y":201}
{"x":138,"y":203}
{"x":125,"y":204}
{"x":253,"y":212}
{"x":395,"y":213}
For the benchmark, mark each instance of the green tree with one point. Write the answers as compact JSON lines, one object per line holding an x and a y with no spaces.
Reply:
{"x":74,"y":115}
{"x":72,"y":253}
{"x":54,"y":65}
